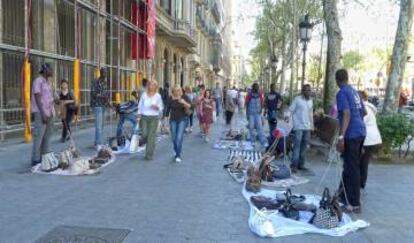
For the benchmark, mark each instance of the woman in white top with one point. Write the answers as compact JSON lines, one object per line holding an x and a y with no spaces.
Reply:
{"x":372,"y":140}
{"x":240,"y":100}
{"x":149,"y":109}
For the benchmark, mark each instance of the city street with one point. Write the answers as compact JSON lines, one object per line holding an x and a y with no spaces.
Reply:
{"x":161,"y":201}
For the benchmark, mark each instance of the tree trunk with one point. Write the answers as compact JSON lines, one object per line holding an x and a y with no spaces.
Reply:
{"x":282,"y":75}
{"x":399,"y":56}
{"x":334,"y":51}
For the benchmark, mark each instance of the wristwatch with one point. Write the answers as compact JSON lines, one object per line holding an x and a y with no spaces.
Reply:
{"x":341,"y":137}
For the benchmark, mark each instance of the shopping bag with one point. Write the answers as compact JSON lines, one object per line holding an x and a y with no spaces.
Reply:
{"x":134,"y":145}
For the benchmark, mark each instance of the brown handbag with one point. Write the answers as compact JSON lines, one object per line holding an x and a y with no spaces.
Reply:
{"x":254,"y":180}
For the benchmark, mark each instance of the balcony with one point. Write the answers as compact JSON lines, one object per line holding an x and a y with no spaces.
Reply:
{"x":177,"y":31}
{"x":216,"y":13}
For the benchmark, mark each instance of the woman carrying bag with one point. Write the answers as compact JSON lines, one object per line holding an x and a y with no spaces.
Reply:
{"x":372,"y":141}
{"x":149,"y":109}
{"x":180,"y":107}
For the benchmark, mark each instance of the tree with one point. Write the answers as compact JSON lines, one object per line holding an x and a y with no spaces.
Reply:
{"x":399,"y":56}
{"x":334,"y":35}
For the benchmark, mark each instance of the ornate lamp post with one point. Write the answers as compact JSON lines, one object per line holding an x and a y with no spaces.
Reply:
{"x":305,"y":31}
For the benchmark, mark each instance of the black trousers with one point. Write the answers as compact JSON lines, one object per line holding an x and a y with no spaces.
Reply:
{"x":66,"y":124}
{"x":229,"y":115}
{"x":367,"y":153}
{"x":351,"y":174}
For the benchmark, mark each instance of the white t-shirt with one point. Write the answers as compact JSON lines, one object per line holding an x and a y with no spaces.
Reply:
{"x":145,"y":103}
{"x":373,"y":134}
{"x":302,"y":113}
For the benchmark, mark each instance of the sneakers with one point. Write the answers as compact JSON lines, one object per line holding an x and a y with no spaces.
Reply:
{"x":293,"y":169}
{"x":206,"y":139}
{"x":178,"y":160}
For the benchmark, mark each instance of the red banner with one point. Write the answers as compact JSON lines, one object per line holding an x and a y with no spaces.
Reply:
{"x":144,"y":16}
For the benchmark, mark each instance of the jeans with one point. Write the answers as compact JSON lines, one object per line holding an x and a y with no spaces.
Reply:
{"x":351,"y":174}
{"x":272,"y":121}
{"x":131,"y":118}
{"x":41,"y":137}
{"x":149,"y":132}
{"x":302,"y":138}
{"x":66,"y":124}
{"x":218,"y":106}
{"x":190,"y":120}
{"x":99,"y":121}
{"x":255,"y":121}
{"x":177,"y":135}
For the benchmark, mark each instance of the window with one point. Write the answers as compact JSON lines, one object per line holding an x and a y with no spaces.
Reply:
{"x":179,"y":9}
{"x":166,"y":5}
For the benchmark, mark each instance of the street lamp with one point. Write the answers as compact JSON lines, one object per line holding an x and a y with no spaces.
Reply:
{"x":305,"y":31}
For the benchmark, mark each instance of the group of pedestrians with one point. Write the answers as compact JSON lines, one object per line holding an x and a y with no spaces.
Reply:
{"x":358,"y":137}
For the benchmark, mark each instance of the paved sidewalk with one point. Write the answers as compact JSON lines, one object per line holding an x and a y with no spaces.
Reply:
{"x":161,"y":201}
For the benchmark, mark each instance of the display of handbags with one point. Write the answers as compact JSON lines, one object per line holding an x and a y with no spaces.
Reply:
{"x":79,"y":166}
{"x":49,"y":162}
{"x":329,"y":213}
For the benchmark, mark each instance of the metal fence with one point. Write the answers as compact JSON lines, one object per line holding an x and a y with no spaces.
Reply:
{"x":52,"y":25}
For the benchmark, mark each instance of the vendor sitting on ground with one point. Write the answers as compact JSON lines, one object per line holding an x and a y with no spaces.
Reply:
{"x":128,"y":112}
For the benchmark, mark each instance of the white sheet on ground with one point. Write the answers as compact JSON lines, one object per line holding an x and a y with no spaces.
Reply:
{"x":271,"y":224}
{"x":36,"y":169}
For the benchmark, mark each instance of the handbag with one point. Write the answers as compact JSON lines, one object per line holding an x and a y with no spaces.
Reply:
{"x":265,"y":168}
{"x":66,"y":158}
{"x":288,"y":209}
{"x":254,"y":180}
{"x":134,"y":145}
{"x":79,"y":166}
{"x":281,"y":171}
{"x":49,"y":162}
{"x":329,"y":213}
{"x":265,"y":202}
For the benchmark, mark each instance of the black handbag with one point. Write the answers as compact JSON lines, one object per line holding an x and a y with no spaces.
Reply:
{"x":288,"y":209}
{"x":329,"y":213}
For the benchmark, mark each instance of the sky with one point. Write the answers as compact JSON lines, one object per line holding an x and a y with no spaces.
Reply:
{"x":363,"y":27}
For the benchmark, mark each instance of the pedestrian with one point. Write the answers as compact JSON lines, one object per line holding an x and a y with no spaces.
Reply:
{"x":351,"y":111}
{"x":230,"y":106}
{"x":128,"y":112}
{"x":301,"y":111}
{"x":143,"y":87}
{"x":99,"y":101}
{"x":43,"y":112}
{"x":198,"y":105}
{"x":191,"y":97}
{"x":254,"y":105}
{"x":218,"y":98}
{"x":180,"y":106}
{"x":165,"y":95}
{"x":273,"y":101}
{"x":150,"y":108}
{"x":69,"y":108}
{"x":372,"y":140}
{"x":207,"y":107}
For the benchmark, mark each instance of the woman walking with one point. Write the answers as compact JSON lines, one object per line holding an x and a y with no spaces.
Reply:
{"x":207,"y":107}
{"x":149,"y":109}
{"x":198,"y":105}
{"x":372,"y":140}
{"x":69,"y":108}
{"x":191,"y":97}
{"x":180,"y":106}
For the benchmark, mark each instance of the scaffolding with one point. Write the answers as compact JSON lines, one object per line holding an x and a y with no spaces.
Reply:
{"x":77,"y":37}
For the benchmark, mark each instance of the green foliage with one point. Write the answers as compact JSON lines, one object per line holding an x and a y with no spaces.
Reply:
{"x":353,"y":60}
{"x":395,"y":129}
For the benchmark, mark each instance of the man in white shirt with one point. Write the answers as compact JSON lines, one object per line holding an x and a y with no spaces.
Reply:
{"x":302,"y":116}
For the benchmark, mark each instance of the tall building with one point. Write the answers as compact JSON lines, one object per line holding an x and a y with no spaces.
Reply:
{"x":175,"y":41}
{"x":210,"y":62}
{"x":238,"y":70}
{"x":71,"y":35}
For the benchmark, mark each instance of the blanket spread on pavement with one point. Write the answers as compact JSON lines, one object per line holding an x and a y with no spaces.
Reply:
{"x":269,"y":223}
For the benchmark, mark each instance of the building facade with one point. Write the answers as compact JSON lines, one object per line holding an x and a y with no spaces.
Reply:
{"x":77,"y":37}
